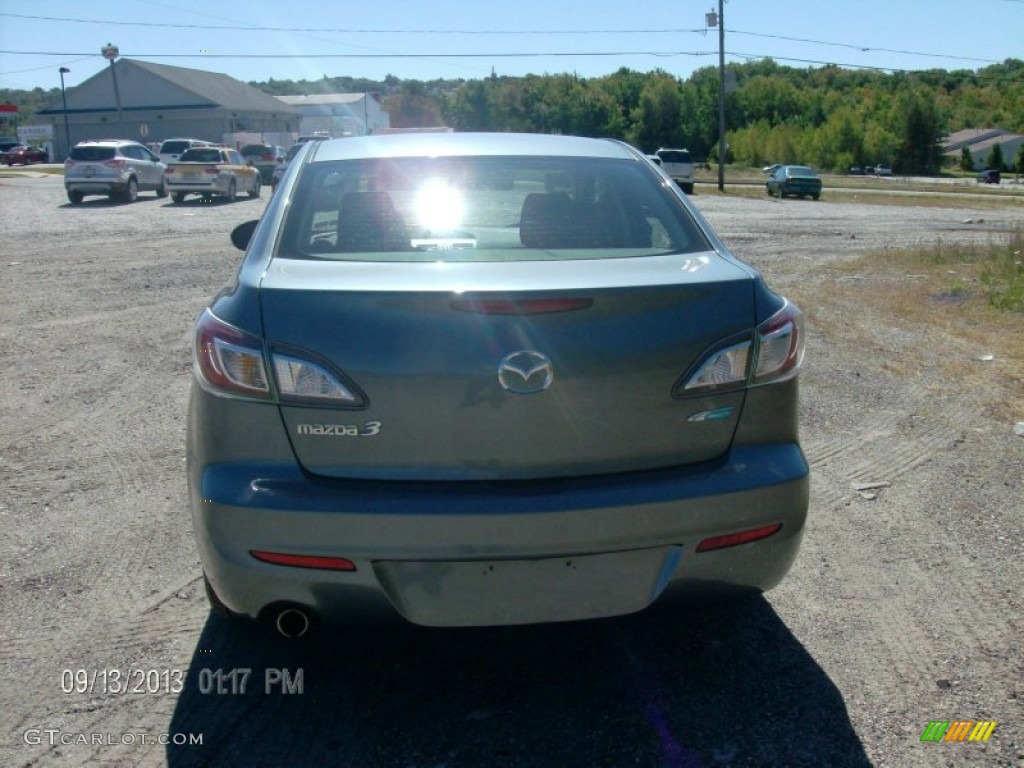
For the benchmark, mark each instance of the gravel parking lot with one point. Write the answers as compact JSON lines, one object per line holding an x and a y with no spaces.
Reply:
{"x":904,"y":607}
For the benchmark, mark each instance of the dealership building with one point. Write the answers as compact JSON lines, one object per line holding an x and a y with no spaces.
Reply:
{"x":149,"y":102}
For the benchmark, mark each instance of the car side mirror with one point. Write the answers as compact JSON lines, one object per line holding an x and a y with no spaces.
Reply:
{"x":242,"y":234}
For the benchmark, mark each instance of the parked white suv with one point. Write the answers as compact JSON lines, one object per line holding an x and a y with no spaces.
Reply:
{"x":172,"y":149}
{"x":116,"y":168}
{"x":678,"y":164}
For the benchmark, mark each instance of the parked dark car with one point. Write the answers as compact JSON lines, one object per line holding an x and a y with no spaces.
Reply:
{"x":23,"y":154}
{"x":479,"y":379}
{"x":263,"y":157}
{"x":989,"y":177}
{"x":795,"y":180}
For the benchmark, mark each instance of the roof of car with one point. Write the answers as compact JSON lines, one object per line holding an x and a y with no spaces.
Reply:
{"x":106,"y":142}
{"x":460,"y":144}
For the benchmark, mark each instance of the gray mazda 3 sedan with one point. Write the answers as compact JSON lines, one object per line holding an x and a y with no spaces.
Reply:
{"x":484,"y":379}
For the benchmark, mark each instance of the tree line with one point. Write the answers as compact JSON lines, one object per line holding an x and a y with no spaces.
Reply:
{"x":829,"y":117}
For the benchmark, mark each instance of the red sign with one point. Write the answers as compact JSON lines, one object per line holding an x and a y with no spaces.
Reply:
{"x":8,"y":107}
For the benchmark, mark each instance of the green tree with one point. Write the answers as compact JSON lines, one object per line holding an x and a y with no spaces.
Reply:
{"x":473,"y":108}
{"x":966,"y":159}
{"x":994,"y":159}
{"x":657,"y":120}
{"x":410,"y":106}
{"x":920,"y":129}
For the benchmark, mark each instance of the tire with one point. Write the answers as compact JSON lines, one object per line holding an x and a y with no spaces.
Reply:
{"x":256,"y":187}
{"x":178,"y":197}
{"x":75,"y":197}
{"x":161,"y":191}
{"x":816,"y":197}
{"x":232,"y":192}
{"x":687,"y":188}
{"x":216,"y":606}
{"x":131,"y":192}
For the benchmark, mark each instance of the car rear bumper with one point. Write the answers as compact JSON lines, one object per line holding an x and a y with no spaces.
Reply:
{"x":217,"y":186}
{"x":97,"y":186}
{"x":452,"y":553}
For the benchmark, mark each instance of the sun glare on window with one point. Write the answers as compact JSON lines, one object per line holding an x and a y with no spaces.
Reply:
{"x":439,"y":207}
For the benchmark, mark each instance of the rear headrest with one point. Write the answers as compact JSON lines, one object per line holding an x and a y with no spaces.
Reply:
{"x":368,"y":221}
{"x":545,"y":219}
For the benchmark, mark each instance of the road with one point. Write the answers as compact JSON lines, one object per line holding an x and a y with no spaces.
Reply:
{"x":902,"y":609}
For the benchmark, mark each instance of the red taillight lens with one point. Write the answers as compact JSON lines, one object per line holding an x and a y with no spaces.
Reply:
{"x":212,"y":171}
{"x":304,"y":561}
{"x":266,"y":156}
{"x":228,"y":359}
{"x":169,"y":170}
{"x":117,"y":163}
{"x":780,"y":347}
{"x":69,"y":163}
{"x":735,"y":539}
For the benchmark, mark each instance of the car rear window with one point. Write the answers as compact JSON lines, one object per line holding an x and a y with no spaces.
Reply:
{"x":256,"y":149}
{"x":201,"y":155}
{"x":174,"y":147}
{"x":674,"y":156}
{"x":484,"y":209}
{"x":92,"y":154}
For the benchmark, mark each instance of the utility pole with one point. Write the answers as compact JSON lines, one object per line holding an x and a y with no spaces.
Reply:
{"x":67,"y":127}
{"x":110,"y":53}
{"x":721,"y":97}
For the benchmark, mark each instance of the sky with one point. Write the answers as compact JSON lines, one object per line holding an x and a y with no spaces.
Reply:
{"x":420,"y":39}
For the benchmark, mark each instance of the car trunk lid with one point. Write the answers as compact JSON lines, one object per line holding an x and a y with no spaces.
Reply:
{"x":512,"y":370}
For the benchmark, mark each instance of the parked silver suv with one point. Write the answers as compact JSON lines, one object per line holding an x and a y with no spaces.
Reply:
{"x":116,"y":168}
{"x":679,"y":165}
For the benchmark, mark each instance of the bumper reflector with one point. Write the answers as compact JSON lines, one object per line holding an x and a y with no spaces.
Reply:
{"x":734,"y":539}
{"x":304,"y":561}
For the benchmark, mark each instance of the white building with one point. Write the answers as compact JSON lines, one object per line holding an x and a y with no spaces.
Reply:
{"x":339,"y":114}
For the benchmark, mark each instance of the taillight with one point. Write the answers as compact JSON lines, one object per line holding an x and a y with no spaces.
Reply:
{"x":724,"y":369}
{"x":169,"y":170}
{"x":68,"y":163}
{"x":521,"y":306}
{"x":231,"y":362}
{"x":266,"y":156}
{"x":780,"y":346}
{"x":775,"y":354}
{"x":302,"y":381}
{"x":212,"y":171}
{"x":228,"y":359}
{"x":117,"y":163}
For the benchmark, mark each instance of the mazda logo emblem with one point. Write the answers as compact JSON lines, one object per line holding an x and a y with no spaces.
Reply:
{"x":525,"y":372}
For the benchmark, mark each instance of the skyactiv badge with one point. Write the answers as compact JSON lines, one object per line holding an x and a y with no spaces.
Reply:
{"x":958,"y":730}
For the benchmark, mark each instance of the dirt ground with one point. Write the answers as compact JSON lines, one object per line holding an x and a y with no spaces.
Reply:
{"x":904,"y":606}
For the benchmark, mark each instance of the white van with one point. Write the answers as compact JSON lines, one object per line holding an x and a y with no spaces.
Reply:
{"x":172,"y":149}
{"x":678,"y":164}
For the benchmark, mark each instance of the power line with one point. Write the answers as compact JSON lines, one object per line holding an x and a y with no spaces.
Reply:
{"x":359,"y":31}
{"x":862,"y":48}
{"x":577,"y":32}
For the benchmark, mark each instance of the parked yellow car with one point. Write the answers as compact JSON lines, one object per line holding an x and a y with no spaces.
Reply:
{"x":208,"y":171}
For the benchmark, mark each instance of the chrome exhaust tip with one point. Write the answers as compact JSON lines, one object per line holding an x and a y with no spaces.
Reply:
{"x":293,"y":622}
